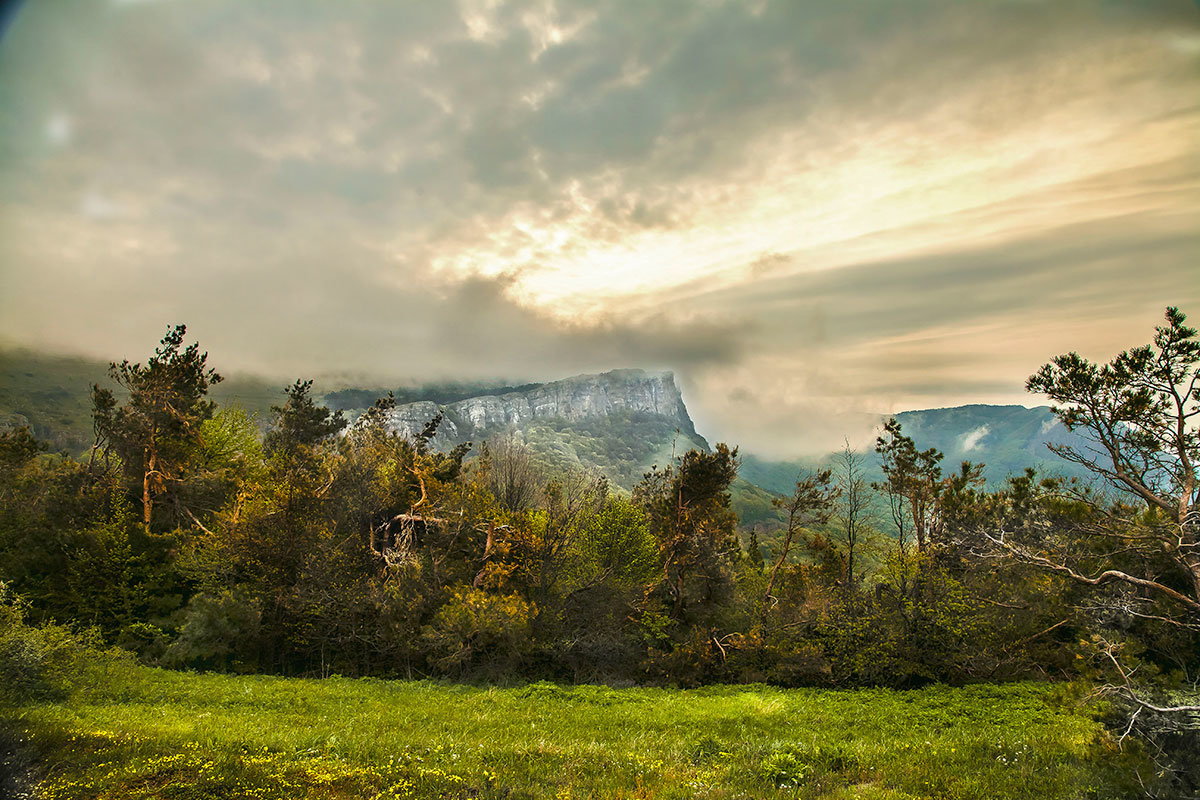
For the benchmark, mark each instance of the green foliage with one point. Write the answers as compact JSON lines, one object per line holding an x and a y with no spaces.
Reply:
{"x":218,"y":631}
{"x":300,"y":422}
{"x":17,"y":448}
{"x":70,"y":544}
{"x":922,"y":626}
{"x":157,"y":432}
{"x":784,"y":770}
{"x":688,"y":508}
{"x":912,"y":483}
{"x":615,"y":544}
{"x":480,"y":630}
{"x":230,"y":443}
{"x":37,"y":662}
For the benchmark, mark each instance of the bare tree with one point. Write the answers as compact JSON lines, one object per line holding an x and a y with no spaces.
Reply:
{"x":513,"y":477}
{"x":852,"y":509}
{"x":568,"y":503}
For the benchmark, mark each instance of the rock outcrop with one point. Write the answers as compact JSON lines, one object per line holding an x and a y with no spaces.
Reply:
{"x":572,"y":399}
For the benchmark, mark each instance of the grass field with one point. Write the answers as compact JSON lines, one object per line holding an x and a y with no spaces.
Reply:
{"x":146,"y":733}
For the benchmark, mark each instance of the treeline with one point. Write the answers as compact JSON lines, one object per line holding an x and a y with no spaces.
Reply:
{"x":324,"y":547}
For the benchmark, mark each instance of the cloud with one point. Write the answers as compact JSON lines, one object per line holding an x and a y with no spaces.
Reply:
{"x":58,"y":129}
{"x":970,"y":440}
{"x":835,"y":209}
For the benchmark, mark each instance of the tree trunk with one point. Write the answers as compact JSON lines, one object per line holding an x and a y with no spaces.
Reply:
{"x":787,"y":546}
{"x":147,"y":502}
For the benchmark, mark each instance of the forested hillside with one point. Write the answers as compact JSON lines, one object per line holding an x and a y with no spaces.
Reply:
{"x":52,"y":396}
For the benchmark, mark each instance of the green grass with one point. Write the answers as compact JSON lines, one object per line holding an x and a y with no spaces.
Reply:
{"x":153,"y":733}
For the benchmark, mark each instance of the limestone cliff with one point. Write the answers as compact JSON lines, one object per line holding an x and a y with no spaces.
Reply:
{"x":572,"y":399}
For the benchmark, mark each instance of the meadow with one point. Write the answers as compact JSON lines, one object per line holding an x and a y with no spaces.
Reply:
{"x":139,"y":732}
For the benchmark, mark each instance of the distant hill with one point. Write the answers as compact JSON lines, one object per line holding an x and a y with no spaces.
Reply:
{"x":52,"y":395}
{"x":1006,"y":439}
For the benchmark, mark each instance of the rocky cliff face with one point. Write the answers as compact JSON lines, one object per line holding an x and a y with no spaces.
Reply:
{"x":572,"y":399}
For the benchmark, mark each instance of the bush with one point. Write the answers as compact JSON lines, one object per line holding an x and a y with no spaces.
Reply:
{"x":36,"y":662}
{"x":219,"y":631}
{"x":784,"y":769}
{"x":480,"y":631}
{"x":823,"y":765}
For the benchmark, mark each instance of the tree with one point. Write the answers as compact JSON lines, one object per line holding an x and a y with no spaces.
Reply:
{"x":300,"y":422}
{"x":539,"y":543}
{"x":852,"y":510}
{"x":912,"y":482}
{"x":1138,"y":550}
{"x":512,"y":474}
{"x":1139,"y":412}
{"x":284,"y":545}
{"x":810,"y":504}
{"x":687,"y":506}
{"x":157,"y":431}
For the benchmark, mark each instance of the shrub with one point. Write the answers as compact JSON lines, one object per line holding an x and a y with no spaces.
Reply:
{"x":478,"y":630}
{"x":36,"y":662}
{"x":216,"y":628}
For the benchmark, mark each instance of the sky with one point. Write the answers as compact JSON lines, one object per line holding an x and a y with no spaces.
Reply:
{"x":810,"y":211}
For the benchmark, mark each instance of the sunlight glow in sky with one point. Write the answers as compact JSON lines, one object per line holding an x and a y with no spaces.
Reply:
{"x":811,"y":211}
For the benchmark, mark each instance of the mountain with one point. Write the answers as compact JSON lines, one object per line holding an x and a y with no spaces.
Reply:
{"x":619,"y":423}
{"x":625,"y":393}
{"x":1006,"y":439}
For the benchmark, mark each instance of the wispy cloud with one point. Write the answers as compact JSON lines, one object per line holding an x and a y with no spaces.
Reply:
{"x":970,"y":440}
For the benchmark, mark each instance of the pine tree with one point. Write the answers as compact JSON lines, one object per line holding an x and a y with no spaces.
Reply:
{"x":157,"y":432}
